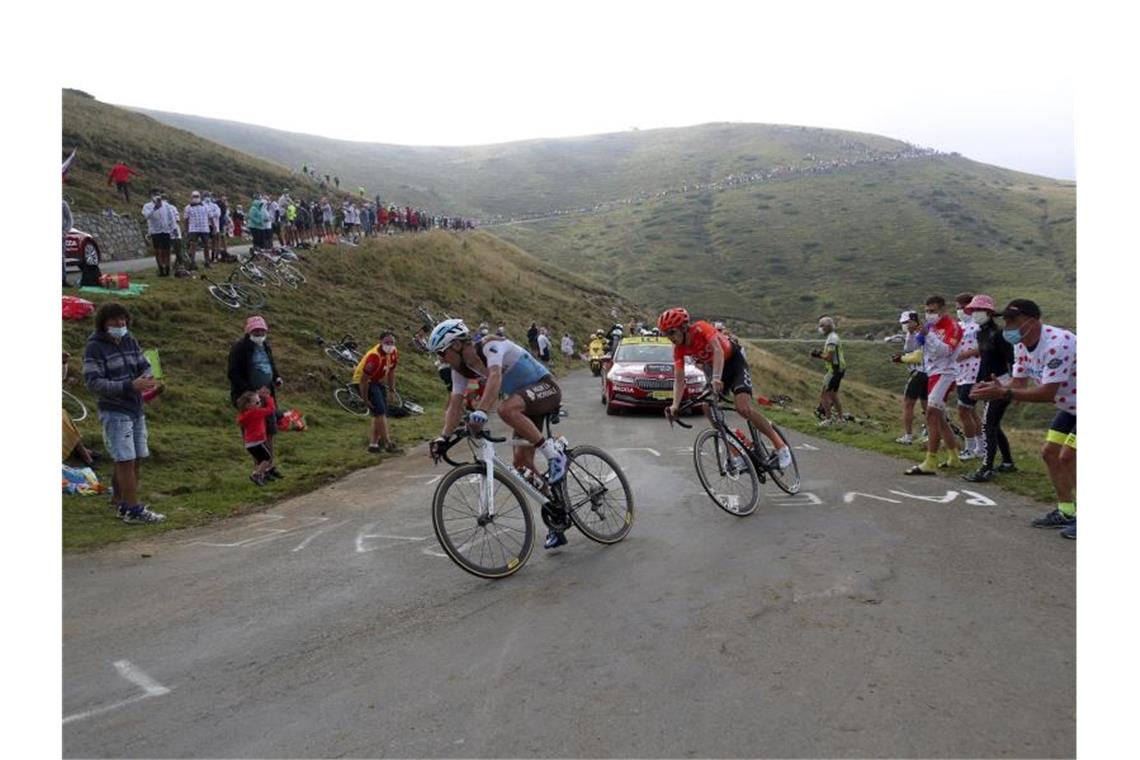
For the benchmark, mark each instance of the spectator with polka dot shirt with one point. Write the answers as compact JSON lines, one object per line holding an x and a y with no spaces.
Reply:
{"x":1046,"y":355}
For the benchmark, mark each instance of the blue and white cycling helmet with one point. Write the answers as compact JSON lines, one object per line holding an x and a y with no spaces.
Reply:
{"x":445,"y":333}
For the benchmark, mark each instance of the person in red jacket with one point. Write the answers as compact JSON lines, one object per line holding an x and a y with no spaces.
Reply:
{"x":254,"y":408}
{"x":121,"y":176}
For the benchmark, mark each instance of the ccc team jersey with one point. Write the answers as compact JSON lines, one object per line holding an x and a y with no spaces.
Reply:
{"x":700,"y":346}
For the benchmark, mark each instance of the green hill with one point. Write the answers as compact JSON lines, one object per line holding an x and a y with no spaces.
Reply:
{"x":170,"y":158}
{"x":539,"y":175}
{"x":198,"y":469}
{"x":859,"y":243}
{"x":862,"y":240}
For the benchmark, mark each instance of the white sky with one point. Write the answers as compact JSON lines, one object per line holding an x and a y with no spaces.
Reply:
{"x":990,"y":80}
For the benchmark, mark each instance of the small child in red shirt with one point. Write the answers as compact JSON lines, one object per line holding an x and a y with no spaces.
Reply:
{"x":253,"y":409}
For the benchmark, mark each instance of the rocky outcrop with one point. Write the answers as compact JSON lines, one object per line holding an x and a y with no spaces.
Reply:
{"x":119,"y":237}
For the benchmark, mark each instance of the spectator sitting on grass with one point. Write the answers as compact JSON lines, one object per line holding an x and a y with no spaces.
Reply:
{"x":255,"y":409}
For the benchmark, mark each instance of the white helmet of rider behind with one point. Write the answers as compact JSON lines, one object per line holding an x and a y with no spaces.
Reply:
{"x":445,"y":333}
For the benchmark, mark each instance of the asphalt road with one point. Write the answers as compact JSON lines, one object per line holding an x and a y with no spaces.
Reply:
{"x":873,"y":615}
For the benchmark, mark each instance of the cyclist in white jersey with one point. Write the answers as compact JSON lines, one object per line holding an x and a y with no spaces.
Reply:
{"x":509,"y":370}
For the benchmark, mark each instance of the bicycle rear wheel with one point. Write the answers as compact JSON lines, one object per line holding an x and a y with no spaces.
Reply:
{"x":726,"y":472}
{"x":75,"y":408}
{"x":287,"y":278}
{"x":597,"y":495}
{"x":223,"y":294}
{"x":350,"y":401}
{"x":788,"y":479}
{"x":483,"y":545}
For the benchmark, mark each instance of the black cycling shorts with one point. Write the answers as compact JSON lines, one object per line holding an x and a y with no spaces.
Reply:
{"x":736,"y":376}
{"x":832,"y":380}
{"x":916,"y":386}
{"x":964,"y":396}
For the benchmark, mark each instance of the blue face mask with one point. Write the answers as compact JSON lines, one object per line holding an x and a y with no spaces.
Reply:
{"x":1012,"y":336}
{"x":117,"y":332}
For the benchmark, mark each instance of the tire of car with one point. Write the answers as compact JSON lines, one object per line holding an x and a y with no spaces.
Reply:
{"x":91,"y":255}
{"x":611,"y":409}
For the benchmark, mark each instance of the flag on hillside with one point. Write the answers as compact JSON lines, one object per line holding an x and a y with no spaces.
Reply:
{"x":68,"y":162}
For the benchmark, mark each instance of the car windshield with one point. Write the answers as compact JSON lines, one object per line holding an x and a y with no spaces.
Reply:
{"x":645,"y":352}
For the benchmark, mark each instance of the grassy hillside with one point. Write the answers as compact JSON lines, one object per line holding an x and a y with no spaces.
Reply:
{"x":198,"y":469}
{"x":860,"y":243}
{"x":170,"y":158}
{"x":538,"y":175}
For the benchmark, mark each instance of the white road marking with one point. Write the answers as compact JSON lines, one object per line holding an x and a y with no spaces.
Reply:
{"x":654,"y":452}
{"x":806,"y":447}
{"x":265,"y":534}
{"x":850,"y":497}
{"x":431,"y":479}
{"x":805,"y":498}
{"x":946,"y":498}
{"x":150,"y":687}
{"x":979,"y":500}
{"x":305,"y":543}
{"x":433,"y":552}
{"x":364,"y":534}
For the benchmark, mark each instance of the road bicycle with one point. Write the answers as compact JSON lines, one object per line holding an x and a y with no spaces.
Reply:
{"x":427,"y":322}
{"x":280,"y":265}
{"x":75,"y":408}
{"x":481,"y":511}
{"x":345,"y":351}
{"x":347,"y":397}
{"x":234,"y":294}
{"x":731,"y":464}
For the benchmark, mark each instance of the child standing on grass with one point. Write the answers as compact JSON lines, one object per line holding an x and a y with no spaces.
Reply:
{"x":253,"y":409}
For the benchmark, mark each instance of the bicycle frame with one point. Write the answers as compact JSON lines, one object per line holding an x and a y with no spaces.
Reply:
{"x":485,"y":449}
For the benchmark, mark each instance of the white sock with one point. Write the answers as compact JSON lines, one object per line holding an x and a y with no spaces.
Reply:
{"x":977,"y":444}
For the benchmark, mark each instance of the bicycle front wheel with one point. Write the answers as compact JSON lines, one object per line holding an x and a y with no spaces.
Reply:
{"x":75,"y":408}
{"x":292,"y":272}
{"x":726,"y":472}
{"x":224,"y":294}
{"x":597,"y":495}
{"x":250,"y":297}
{"x":350,"y":401}
{"x":338,"y":356}
{"x":253,"y":273}
{"x":787,"y":478}
{"x":484,"y":543}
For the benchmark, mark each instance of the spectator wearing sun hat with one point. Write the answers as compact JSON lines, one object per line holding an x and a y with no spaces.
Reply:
{"x":251,"y":367}
{"x":995,"y":362}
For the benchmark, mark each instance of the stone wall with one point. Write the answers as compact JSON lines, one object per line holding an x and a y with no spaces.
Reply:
{"x":119,"y":237}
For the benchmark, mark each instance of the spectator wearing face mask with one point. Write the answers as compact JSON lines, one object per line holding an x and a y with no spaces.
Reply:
{"x":966,"y":375}
{"x":250,"y":368}
{"x":995,"y":357}
{"x":117,"y":373}
{"x":915,"y":389}
{"x":374,"y":376}
{"x":197,"y":217}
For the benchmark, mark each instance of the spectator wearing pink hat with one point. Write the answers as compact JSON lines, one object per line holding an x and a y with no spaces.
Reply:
{"x":995,"y":360}
{"x":250,"y":368}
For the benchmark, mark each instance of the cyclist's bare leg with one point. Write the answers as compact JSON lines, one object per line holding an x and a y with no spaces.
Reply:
{"x":908,"y":415}
{"x":513,"y":412}
{"x":743,"y":405}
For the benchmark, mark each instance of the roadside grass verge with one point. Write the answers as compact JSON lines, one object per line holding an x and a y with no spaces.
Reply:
{"x":198,"y":469}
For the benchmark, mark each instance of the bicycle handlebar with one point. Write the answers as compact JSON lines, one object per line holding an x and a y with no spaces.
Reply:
{"x":441,"y":450}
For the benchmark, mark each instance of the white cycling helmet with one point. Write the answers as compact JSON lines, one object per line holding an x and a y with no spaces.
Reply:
{"x":445,"y":333}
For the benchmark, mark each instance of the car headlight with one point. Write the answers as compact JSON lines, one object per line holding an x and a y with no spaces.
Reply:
{"x":619,"y":377}
{"x":695,"y":380}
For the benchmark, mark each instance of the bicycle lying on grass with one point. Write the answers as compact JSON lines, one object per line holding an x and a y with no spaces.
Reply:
{"x":233,"y":294}
{"x":427,"y":322}
{"x":480,"y":510}
{"x":347,"y":397}
{"x":263,"y":268}
{"x":345,"y":351}
{"x":731,"y":465}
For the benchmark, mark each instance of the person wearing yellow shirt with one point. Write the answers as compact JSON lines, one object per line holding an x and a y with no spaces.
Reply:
{"x":374,"y":375}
